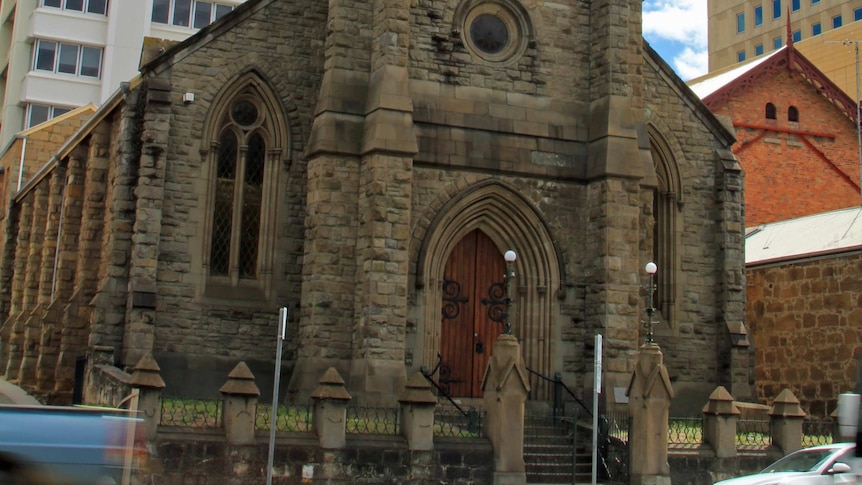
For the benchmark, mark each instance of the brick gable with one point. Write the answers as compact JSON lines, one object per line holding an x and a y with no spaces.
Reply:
{"x":792,"y":169}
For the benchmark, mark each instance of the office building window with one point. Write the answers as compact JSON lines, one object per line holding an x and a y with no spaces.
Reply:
{"x":776,"y":9}
{"x":797,"y":35}
{"x":758,"y":50}
{"x":740,"y":56}
{"x":67,"y":58}
{"x":776,"y":43}
{"x":836,"y":21}
{"x":815,"y":29}
{"x":87,"y":6}
{"x":40,"y":113}
{"x":188,"y":13}
{"x":740,"y":23}
{"x":794,"y":5}
{"x":857,"y":14}
{"x":758,"y":16}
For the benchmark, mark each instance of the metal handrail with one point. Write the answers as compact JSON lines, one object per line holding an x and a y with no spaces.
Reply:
{"x":559,"y":382}
{"x":429,"y":376}
{"x":471,"y":414}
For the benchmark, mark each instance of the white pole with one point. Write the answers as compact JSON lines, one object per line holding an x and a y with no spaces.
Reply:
{"x":596,"y":392}
{"x":131,"y":428}
{"x":274,"y":414}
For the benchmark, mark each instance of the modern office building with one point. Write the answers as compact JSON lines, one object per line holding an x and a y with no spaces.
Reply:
{"x":56,"y":55}
{"x":744,"y":29}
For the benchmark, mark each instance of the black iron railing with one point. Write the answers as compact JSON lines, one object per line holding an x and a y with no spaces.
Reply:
{"x":472,"y":418}
{"x":559,"y":388}
{"x":372,"y":420}
{"x":192,"y":413}
{"x":296,"y":417}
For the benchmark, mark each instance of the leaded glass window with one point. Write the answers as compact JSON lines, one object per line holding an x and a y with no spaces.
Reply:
{"x":244,"y":162}
{"x":240,"y":159}
{"x":223,"y":209}
{"x":251,"y":204}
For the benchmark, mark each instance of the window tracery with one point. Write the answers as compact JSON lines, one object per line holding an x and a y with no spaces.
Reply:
{"x":245,"y":162}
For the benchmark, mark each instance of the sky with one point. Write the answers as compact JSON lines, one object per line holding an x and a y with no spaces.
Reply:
{"x":676,"y":29}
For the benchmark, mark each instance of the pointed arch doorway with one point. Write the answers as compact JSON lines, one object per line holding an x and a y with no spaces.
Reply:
{"x":509,"y":221}
{"x":467,"y":333}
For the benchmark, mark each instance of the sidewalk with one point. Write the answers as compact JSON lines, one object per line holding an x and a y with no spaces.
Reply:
{"x":12,"y":394}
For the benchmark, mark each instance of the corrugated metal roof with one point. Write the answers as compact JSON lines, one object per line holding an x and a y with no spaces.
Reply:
{"x":711,"y":83}
{"x":807,"y":236}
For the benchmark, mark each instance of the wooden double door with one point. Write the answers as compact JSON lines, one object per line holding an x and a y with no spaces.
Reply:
{"x":473,"y":296}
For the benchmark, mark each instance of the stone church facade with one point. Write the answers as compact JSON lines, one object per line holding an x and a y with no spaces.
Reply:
{"x":367,"y":164}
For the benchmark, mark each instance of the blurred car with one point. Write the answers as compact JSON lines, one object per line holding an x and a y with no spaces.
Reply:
{"x":67,"y":445}
{"x":818,"y":465}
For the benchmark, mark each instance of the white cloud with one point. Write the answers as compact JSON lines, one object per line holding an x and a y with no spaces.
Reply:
{"x":690,"y":64}
{"x":680,"y":28}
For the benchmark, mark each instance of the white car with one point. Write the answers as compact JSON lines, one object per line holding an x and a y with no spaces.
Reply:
{"x":818,"y":465}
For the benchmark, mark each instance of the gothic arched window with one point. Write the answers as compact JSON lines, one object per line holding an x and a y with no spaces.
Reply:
{"x":245,"y":155}
{"x":237,"y":204}
{"x":666,"y":200}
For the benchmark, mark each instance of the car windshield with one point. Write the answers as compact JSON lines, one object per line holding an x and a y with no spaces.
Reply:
{"x":801,"y":461}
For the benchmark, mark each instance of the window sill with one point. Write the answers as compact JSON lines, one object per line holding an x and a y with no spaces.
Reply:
{"x":225,"y":293}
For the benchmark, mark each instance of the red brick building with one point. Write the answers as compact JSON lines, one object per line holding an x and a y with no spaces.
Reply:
{"x":797,"y":144}
{"x":796,"y":135}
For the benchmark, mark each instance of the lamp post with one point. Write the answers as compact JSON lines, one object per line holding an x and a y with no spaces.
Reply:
{"x":510,"y":258}
{"x":651,"y":269}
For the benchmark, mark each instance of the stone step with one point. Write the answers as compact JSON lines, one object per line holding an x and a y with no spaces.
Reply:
{"x":548,"y":452}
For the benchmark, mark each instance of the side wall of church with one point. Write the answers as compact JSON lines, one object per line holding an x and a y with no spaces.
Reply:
{"x":707,"y":241}
{"x":196,"y":332}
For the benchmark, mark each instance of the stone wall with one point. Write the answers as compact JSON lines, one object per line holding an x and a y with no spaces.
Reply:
{"x":205,"y":331}
{"x":804,"y":318}
{"x":698,"y":469}
{"x":692,"y":317}
{"x":381,"y":460}
{"x":208,"y":460}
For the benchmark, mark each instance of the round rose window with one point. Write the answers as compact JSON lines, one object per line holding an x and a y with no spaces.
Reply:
{"x":495,"y":32}
{"x":244,"y":113}
{"x":489,"y":34}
